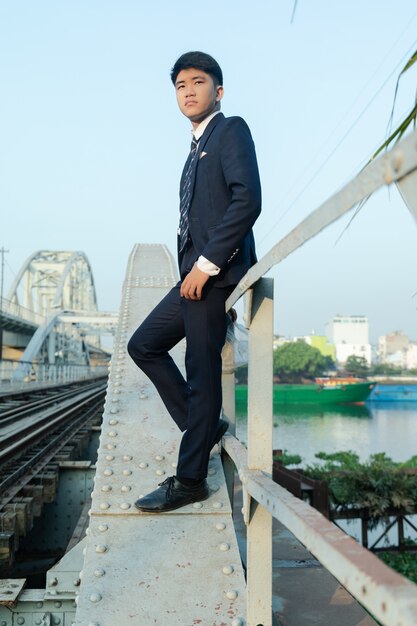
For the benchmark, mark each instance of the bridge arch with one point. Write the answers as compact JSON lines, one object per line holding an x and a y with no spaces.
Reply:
{"x":55,"y":280}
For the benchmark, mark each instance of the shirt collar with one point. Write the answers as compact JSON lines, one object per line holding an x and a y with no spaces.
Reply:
{"x":198,"y":132}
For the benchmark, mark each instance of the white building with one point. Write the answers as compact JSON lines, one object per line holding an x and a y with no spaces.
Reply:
{"x":350,"y":335}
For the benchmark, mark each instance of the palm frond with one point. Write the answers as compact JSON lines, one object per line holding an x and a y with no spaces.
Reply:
{"x":411,"y":117}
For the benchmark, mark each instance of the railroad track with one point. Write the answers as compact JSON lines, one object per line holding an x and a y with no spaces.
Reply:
{"x":29,"y":435}
{"x":34,"y":434}
{"x":22,"y":398}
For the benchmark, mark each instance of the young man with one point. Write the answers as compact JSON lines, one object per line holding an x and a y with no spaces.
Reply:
{"x":220,"y":199}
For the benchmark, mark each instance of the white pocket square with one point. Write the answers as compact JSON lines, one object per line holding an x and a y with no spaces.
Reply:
{"x":203,"y":154}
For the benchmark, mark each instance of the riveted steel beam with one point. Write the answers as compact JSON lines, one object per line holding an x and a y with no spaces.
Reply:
{"x":181,"y":567}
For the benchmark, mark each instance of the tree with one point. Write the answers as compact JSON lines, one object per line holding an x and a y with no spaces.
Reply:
{"x":296,"y":360}
{"x":357,"y":366}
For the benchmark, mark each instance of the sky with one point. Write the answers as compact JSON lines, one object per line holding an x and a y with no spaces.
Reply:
{"x":92,"y":143}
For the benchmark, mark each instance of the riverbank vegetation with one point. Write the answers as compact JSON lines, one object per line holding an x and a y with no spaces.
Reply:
{"x":379,"y":485}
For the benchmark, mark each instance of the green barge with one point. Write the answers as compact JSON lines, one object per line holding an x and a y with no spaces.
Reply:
{"x":316,"y":394}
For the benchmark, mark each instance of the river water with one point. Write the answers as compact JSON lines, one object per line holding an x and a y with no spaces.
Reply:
{"x":383,"y":427}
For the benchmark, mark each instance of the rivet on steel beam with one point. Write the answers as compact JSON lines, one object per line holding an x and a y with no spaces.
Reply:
{"x":115,"y":400}
{"x":143,"y":396}
{"x":127,"y":472}
{"x":57,"y":621}
{"x":143,"y":465}
{"x":112,"y":433}
{"x":38,"y":622}
{"x":117,"y":391}
{"x":108,"y":472}
{"x":39,"y":605}
{"x":77,"y":582}
{"x":110,"y":446}
{"x":125,"y":506}
{"x":228,"y":569}
{"x":125,"y":488}
{"x":197,"y":505}
{"x":20,"y":620}
{"x":113,"y":422}
{"x":97,"y":624}
{"x":101,"y":548}
{"x":103,"y":527}
{"x":106,"y":488}
{"x":174,"y":465}
{"x":53,"y":582}
{"x":214,"y":487}
{"x":114,"y":411}
{"x":211,"y":471}
{"x":159,"y":457}
{"x":237,"y":622}
{"x":217,"y":505}
{"x":224,"y":547}
{"x":95,"y":597}
{"x":104,"y":506}
{"x":232,"y":594}
{"x":109,"y":457}
{"x":127,"y":457}
{"x":220,"y":526}
{"x":99,"y":572}
{"x":160,"y":472}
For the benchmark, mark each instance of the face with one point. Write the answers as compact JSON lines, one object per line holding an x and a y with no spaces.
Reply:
{"x":197,"y":95}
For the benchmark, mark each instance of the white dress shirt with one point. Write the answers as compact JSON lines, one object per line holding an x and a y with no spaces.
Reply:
{"x":203,"y":264}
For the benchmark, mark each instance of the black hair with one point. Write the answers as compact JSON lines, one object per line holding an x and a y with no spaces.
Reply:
{"x":201,"y":61}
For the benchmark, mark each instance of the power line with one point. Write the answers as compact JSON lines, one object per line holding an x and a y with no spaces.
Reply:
{"x":312,"y":178}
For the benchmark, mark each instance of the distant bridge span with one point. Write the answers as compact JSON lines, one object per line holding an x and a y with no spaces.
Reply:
{"x":50,"y":316}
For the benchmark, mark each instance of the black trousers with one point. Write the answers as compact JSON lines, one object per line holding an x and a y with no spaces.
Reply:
{"x":195,"y":403}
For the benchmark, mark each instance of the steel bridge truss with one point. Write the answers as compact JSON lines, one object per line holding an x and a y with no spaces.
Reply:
{"x":67,"y":338}
{"x":51,"y":280}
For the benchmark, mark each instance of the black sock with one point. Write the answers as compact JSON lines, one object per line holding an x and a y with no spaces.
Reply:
{"x":190,"y":482}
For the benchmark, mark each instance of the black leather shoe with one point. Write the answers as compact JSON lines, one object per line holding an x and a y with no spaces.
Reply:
{"x":171,"y":495}
{"x":222,"y":427}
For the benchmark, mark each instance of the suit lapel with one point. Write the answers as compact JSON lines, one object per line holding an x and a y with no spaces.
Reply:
{"x":203,"y":140}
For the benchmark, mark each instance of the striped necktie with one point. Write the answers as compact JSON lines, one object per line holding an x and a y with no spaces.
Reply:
{"x":185,"y":196}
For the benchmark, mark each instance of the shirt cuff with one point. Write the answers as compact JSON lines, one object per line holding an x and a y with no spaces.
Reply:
{"x":206,"y":266}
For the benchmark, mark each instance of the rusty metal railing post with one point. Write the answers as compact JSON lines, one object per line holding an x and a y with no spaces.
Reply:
{"x":259,"y":315}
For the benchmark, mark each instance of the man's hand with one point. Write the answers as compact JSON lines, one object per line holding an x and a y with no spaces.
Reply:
{"x":193,"y":283}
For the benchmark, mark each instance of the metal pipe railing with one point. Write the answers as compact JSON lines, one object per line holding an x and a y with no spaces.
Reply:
{"x":38,"y":373}
{"x":390,"y":597}
{"x":16,"y":310}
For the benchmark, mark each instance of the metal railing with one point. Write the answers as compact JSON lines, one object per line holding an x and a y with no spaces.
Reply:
{"x":390,"y":597}
{"x":16,"y":310}
{"x":39,"y":374}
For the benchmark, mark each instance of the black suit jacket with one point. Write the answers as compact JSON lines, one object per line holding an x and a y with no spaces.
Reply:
{"x":226,"y":198}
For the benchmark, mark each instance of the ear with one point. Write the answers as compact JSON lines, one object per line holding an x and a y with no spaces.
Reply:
{"x":219,"y":93}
